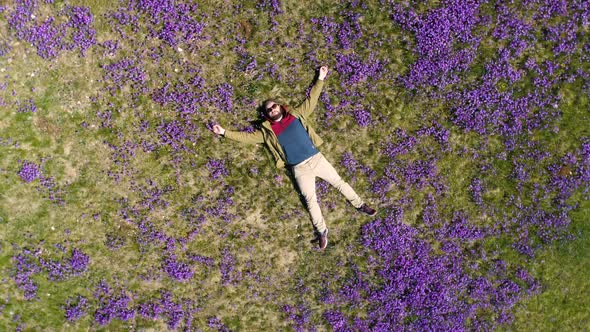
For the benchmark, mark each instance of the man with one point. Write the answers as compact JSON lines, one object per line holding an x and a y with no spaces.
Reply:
{"x":293,"y":142}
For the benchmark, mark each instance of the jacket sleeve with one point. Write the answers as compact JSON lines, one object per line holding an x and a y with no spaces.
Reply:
{"x":310,"y":103}
{"x":248,"y":138}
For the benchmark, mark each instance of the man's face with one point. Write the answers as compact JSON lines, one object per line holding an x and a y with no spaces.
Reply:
{"x":273,"y":111}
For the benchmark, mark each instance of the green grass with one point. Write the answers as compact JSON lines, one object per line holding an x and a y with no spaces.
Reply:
{"x":564,"y":271}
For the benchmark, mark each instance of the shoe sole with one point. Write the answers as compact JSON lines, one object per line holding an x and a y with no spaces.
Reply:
{"x":326,"y":245}
{"x":370,"y":215}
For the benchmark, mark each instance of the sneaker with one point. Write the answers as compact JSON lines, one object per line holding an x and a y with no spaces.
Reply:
{"x":324,"y":239}
{"x":367,"y":210}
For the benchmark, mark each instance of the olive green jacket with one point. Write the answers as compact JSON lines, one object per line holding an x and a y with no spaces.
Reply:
{"x":265,"y":135}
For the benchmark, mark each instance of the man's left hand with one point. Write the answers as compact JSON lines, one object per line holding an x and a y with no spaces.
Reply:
{"x":323,"y":73}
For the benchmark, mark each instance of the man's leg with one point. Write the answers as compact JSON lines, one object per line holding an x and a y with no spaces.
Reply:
{"x":326,"y":171}
{"x":305,"y":179}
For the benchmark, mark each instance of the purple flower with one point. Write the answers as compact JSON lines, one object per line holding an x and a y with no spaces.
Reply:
{"x":112,"y":305}
{"x":177,"y":270}
{"x":172,"y":133}
{"x":362,"y":117}
{"x":78,"y":262}
{"x":216,"y":323}
{"x":5,"y":48}
{"x":229,"y":274}
{"x":150,"y":310}
{"x":354,"y":70}
{"x":217,"y":168}
{"x":476,"y":191}
{"x":29,"y":171}
{"x":75,"y":308}
{"x":25,"y":266}
{"x":49,"y":37}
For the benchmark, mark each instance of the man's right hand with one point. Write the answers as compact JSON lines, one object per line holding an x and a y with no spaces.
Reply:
{"x":218,"y":129}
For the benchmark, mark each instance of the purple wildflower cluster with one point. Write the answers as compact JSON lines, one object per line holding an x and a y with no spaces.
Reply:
{"x":152,"y":195}
{"x":5,"y":48}
{"x":347,"y":32}
{"x":20,"y":326}
{"x":217,"y":169}
{"x":438,"y":36}
{"x":438,"y":132}
{"x":229,"y":274}
{"x":172,"y":133}
{"x":419,"y":289}
{"x":112,"y":304}
{"x":354,"y":167}
{"x":110,"y":47}
{"x":474,"y":289}
{"x":114,"y":241}
{"x":75,"y":308}
{"x":174,"y":312}
{"x":216,"y":323}
{"x":362,"y":117}
{"x":30,"y":262}
{"x":411,"y":161}
{"x":273,"y":8}
{"x":186,"y":97}
{"x":571,"y":173}
{"x":78,"y":262}
{"x":50,"y":38}
{"x":464,"y":288}
{"x":82,"y":34}
{"x":117,"y":303}
{"x":25,"y":265}
{"x":126,"y":71}
{"x":177,"y":270}
{"x":29,"y":171}
{"x":476,"y":190}
{"x":494,"y":103}
{"x":67,"y":267}
{"x":27,"y":106}
{"x":216,"y":206}
{"x":170,"y":22}
{"x":49,"y":186}
{"x":223,"y":97}
{"x":121,"y":155}
{"x":174,"y":85}
{"x":354,"y":70}
{"x":299,"y":317}
{"x":357,"y":60}
{"x":246,"y":62}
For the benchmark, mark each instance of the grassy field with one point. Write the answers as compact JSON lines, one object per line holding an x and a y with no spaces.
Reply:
{"x":137,"y":217}
{"x":562,"y":270}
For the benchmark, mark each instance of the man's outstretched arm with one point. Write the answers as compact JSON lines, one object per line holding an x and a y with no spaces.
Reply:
{"x":310,"y":103}
{"x":248,"y":138}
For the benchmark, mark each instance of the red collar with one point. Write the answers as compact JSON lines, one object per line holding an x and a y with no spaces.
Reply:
{"x":279,"y":126}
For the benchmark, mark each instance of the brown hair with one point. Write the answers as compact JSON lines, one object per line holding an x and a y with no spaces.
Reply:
{"x":262,"y":108}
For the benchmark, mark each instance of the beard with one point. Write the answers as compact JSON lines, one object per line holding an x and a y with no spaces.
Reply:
{"x":277,"y":116}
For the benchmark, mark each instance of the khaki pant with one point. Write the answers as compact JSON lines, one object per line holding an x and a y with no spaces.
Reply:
{"x":305,"y":174}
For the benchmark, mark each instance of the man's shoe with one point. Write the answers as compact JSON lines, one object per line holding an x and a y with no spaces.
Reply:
{"x":367,"y":210}
{"x":324,"y":239}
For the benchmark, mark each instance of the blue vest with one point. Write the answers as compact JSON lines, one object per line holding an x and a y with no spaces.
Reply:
{"x":296,"y":143}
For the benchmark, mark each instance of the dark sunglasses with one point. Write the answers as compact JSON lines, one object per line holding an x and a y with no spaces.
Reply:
{"x":271,"y":108}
